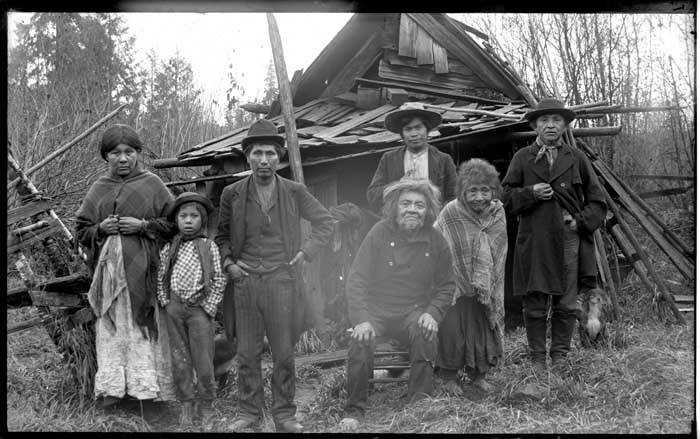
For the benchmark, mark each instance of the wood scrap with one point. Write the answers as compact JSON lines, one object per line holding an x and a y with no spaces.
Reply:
{"x":352,"y":123}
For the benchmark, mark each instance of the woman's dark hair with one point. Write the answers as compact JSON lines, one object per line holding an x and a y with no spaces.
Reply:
{"x":116,"y":135}
{"x":200,"y":208}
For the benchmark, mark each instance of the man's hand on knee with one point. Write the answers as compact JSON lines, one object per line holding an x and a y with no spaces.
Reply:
{"x":363,"y":332}
{"x":428,"y":326}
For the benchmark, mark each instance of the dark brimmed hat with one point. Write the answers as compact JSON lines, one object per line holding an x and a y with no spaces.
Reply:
{"x":262,"y":130}
{"x":187,"y":197}
{"x":414,"y":109}
{"x":550,"y":106}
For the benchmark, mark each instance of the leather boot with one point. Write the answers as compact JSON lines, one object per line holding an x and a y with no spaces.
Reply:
{"x":562,"y":329}
{"x":186,"y":413}
{"x":536,"y":328}
{"x":207,"y":413}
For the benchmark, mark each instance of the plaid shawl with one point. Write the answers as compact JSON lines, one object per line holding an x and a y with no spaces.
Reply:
{"x":142,"y":196}
{"x":479,"y":246}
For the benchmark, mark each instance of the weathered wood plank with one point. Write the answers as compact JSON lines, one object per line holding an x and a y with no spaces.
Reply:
{"x":683,"y":298}
{"x":432,"y":91}
{"x":421,"y":75}
{"x":337,"y":115}
{"x":310,"y":131}
{"x":442,"y":64}
{"x":354,"y":122}
{"x":407,"y":36}
{"x":47,"y":298}
{"x":358,"y":65}
{"x":31,"y":323}
{"x":320,"y":111}
{"x":330,"y":359}
{"x":453,"y":65}
{"x":424,"y":47}
{"x":26,"y":211}
{"x":20,"y":242}
{"x":388,"y":380}
{"x":383,"y":137}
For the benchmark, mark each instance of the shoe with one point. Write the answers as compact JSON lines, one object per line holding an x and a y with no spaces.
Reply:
{"x":562,"y":329}
{"x":290,"y":426}
{"x":186,"y":413}
{"x":241,"y":424}
{"x":536,"y":329}
{"x":207,"y":414}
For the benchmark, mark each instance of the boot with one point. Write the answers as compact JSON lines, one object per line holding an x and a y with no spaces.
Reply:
{"x":536,"y":328}
{"x":186,"y":413}
{"x":207,"y":413}
{"x":562,"y":329}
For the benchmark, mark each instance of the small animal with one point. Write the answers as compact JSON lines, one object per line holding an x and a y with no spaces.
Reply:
{"x":593,"y":313}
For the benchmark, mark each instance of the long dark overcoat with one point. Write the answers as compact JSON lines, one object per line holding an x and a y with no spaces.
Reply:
{"x":441,"y":172}
{"x":538,"y":263}
{"x":295,"y":202}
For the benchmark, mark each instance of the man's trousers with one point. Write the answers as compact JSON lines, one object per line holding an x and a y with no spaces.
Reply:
{"x":421,"y":353}
{"x":264,"y":305}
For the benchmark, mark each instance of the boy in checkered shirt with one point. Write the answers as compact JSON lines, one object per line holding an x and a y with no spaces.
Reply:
{"x":190,"y":286}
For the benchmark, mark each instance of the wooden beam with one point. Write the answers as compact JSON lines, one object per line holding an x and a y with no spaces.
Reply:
{"x":30,"y":209}
{"x":579,"y":132}
{"x":619,"y":109}
{"x":445,"y":93}
{"x":665,"y":192}
{"x":68,"y":145}
{"x":285,"y":99}
{"x":662,"y":177}
{"x":358,"y":65}
{"x":252,"y":107}
{"x":48,"y":298}
{"x":354,"y":122}
{"x":54,"y":227}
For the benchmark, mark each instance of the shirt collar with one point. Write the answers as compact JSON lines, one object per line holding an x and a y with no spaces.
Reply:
{"x":541,"y":144}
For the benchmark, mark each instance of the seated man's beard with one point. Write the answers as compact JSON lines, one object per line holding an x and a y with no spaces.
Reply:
{"x":410,"y":223}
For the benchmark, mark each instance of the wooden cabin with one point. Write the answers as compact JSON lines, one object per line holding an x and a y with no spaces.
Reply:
{"x":374,"y":64}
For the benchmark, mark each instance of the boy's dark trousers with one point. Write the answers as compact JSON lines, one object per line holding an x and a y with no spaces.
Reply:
{"x":421,"y":354}
{"x":191,"y":332}
{"x":264,"y":305}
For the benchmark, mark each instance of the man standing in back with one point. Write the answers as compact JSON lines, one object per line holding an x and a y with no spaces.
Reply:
{"x":417,"y":160}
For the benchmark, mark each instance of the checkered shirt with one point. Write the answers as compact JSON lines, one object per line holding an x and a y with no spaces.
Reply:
{"x":187,"y":281}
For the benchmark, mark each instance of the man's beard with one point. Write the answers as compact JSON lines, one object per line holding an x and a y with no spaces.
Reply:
{"x":410,"y":223}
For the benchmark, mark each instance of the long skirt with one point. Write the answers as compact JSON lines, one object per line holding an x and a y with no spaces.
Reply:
{"x":465,"y":339}
{"x":128,"y":363}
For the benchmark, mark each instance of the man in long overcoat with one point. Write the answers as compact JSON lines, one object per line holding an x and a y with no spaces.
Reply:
{"x":417,"y":159}
{"x":259,"y":235}
{"x":554,"y":191}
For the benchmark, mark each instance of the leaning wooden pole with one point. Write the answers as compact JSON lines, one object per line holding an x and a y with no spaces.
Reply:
{"x":67,"y":146}
{"x":290,"y":128}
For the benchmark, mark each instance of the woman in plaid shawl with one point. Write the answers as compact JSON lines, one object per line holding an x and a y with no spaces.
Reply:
{"x":474,"y":225}
{"x":121,"y":223}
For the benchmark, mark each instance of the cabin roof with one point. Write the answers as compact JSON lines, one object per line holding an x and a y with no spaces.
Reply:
{"x":432,"y":58}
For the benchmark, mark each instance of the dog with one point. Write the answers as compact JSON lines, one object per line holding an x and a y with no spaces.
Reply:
{"x":594,"y":309}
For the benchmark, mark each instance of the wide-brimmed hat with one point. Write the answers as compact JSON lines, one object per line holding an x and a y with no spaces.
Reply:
{"x":187,"y":197}
{"x":391,"y":122}
{"x":262,"y":130}
{"x":550,"y":106}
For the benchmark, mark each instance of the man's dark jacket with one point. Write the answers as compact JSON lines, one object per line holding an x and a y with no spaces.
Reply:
{"x":441,"y":172}
{"x":295,"y":202}
{"x":538,"y":263}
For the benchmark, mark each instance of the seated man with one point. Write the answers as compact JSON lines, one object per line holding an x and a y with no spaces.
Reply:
{"x":400,"y":285}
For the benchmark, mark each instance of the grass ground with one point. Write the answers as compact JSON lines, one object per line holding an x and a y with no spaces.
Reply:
{"x":642,"y":381}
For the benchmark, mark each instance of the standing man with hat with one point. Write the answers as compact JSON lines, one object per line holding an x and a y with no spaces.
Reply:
{"x":259,"y":234}
{"x":551,"y":186}
{"x":417,"y":159}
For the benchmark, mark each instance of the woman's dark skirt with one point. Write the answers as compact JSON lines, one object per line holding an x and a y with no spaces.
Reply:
{"x":465,"y":339}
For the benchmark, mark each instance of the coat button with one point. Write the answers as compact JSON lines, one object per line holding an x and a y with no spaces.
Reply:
{"x":391,"y":244}
{"x":563,"y":185}
{"x":427,"y":255}
{"x":391,"y":264}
